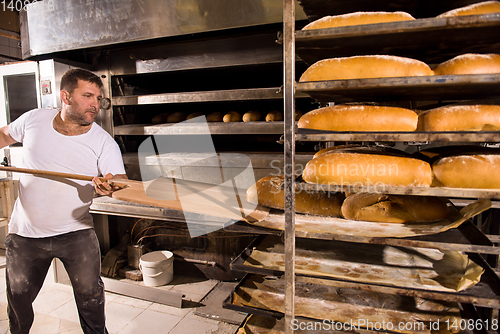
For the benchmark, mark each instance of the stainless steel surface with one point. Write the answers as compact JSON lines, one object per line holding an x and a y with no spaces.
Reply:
{"x":52,"y":26}
{"x":425,"y":88}
{"x":143,"y":292}
{"x":207,"y":96}
{"x":432,"y":40}
{"x":241,"y":128}
{"x":289,"y":149}
{"x":260,"y":48}
{"x":458,"y":136}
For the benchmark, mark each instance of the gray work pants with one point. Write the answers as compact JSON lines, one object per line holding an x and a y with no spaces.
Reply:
{"x":28,"y":261}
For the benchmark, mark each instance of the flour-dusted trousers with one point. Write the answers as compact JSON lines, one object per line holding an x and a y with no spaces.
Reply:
{"x":28,"y":261}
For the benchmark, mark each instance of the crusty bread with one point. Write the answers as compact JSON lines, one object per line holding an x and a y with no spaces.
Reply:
{"x":274,"y":116}
{"x":466,"y":117}
{"x":360,"y":118}
{"x":359,"y":148}
{"x":194,"y":115}
{"x":353,"y":168}
{"x":468,"y":171}
{"x":160,"y":118}
{"x":176,"y":117}
{"x":357,"y":18}
{"x":269,"y":192}
{"x":470,"y":63}
{"x":215,"y":116}
{"x":359,"y":67}
{"x":232,"y":116}
{"x":251,"y":116}
{"x":394,"y":208}
{"x":485,"y":7}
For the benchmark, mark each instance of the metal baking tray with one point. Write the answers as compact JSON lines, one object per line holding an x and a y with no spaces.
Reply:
{"x":417,"y":191}
{"x":228,"y":304}
{"x":315,"y":9}
{"x":399,"y":136}
{"x":235,"y":128}
{"x":431,"y":40}
{"x":462,"y":238}
{"x":485,"y":294}
{"x":427,"y":88}
{"x":466,"y":309}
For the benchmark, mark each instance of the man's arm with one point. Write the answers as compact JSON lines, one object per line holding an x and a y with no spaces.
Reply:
{"x":5,"y":138}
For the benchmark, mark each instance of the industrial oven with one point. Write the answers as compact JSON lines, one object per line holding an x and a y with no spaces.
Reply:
{"x":160,"y":58}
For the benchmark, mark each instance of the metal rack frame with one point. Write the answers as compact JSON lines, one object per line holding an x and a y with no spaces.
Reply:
{"x":382,"y":90}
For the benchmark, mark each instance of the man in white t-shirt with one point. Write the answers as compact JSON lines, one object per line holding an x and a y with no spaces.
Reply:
{"x":51,"y":216}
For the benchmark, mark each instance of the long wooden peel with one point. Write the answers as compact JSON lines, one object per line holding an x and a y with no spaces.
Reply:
{"x":59,"y":174}
{"x":200,"y":198}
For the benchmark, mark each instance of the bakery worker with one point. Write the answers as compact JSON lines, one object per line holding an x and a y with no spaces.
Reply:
{"x":51,"y":216}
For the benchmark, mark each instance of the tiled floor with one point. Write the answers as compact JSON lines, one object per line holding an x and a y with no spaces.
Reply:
{"x":55,"y":312}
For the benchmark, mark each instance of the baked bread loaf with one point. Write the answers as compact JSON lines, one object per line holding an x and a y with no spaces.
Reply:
{"x":470,"y":63}
{"x":468,"y":117}
{"x":360,"y":118}
{"x":232,"y":116}
{"x":357,"y":148}
{"x":274,"y":116}
{"x":359,"y":67}
{"x":394,"y":208}
{"x":468,"y":171}
{"x":176,"y":117}
{"x":160,"y":118}
{"x":269,"y":191}
{"x":363,"y":168}
{"x":251,"y":116}
{"x":194,"y":115}
{"x":485,"y":7}
{"x":357,"y":18}
{"x":215,"y":116}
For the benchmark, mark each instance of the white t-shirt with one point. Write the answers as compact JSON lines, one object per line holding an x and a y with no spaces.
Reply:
{"x":49,"y":206}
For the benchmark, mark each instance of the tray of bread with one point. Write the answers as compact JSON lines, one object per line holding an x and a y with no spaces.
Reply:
{"x":375,"y":191}
{"x":432,"y":40}
{"x":401,"y":266}
{"x":318,"y":301}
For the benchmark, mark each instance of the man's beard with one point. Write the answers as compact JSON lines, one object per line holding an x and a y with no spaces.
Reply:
{"x":80,"y":118}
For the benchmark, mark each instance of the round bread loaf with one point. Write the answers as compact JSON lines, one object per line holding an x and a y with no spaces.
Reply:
{"x":394,"y":208}
{"x":251,"y":116}
{"x":360,"y":67}
{"x":176,"y":117}
{"x":468,"y":171}
{"x":232,"y":116}
{"x":470,"y":63}
{"x":485,"y":7}
{"x":269,"y":191}
{"x":357,"y":18}
{"x":215,"y":116}
{"x":473,"y":117}
{"x":194,"y":115}
{"x":274,"y":116}
{"x":160,"y":118}
{"x":360,"y":118}
{"x":351,"y":169}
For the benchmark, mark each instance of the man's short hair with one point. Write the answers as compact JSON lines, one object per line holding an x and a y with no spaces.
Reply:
{"x":69,"y":80}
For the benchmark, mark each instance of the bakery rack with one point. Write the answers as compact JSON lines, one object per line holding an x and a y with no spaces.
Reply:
{"x":429,"y":39}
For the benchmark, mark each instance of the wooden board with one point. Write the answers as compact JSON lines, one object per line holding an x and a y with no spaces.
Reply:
{"x":193,"y":197}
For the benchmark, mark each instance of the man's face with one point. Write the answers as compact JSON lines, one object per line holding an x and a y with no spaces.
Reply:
{"x":84,"y":103}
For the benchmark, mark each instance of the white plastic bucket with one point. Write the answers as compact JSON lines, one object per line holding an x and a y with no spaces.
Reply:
{"x":157,"y":268}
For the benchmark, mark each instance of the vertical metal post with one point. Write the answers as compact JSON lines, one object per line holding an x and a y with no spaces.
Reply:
{"x":289,"y":151}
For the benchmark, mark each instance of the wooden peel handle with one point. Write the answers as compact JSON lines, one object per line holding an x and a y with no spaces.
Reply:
{"x":57,"y":174}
